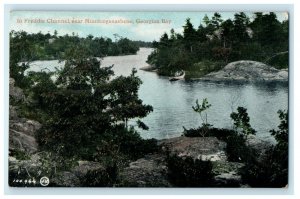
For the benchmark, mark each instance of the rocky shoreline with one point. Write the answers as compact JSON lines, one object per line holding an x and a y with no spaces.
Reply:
{"x":26,"y":161}
{"x":241,"y":71}
{"x":248,"y":71}
{"x":149,"y":68}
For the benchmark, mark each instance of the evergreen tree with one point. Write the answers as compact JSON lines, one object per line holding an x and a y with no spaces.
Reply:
{"x":241,"y":22}
{"x":189,"y":34}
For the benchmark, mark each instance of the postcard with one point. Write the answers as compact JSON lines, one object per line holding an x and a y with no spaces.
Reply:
{"x":148,"y":99}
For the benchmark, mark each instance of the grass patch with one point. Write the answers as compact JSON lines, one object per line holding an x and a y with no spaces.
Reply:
{"x":202,"y":68}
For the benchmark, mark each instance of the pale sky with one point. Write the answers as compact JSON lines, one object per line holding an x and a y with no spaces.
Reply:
{"x":133,"y":31}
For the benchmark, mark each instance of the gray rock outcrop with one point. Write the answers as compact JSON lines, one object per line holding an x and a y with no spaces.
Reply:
{"x":205,"y":148}
{"x":248,"y":71}
{"x":21,"y":130}
{"x":15,"y":92}
{"x":150,"y":171}
{"x":76,"y":175}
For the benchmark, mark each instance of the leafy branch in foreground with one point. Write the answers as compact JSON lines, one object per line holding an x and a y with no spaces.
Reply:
{"x":242,"y":122}
{"x":282,"y":135}
{"x":271,"y":170}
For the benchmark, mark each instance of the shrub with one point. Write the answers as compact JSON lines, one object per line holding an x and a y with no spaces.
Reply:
{"x":18,"y":154}
{"x":267,"y":172}
{"x":279,"y":61}
{"x":211,"y":132}
{"x":187,"y":172}
{"x":242,"y":122}
{"x":237,"y":150}
{"x":202,"y":68}
{"x":200,"y":109}
{"x":125,"y":142}
{"x":272,"y":169}
{"x":101,"y":177}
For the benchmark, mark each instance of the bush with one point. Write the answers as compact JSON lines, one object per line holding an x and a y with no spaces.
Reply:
{"x":202,"y":68}
{"x":268,"y":172}
{"x":279,"y":61}
{"x":186,"y":172}
{"x":242,"y":122}
{"x":237,"y":150}
{"x":120,"y":141}
{"x":101,"y":178}
{"x":18,"y":154}
{"x":211,"y":132}
{"x":131,"y":143}
{"x":272,"y":169}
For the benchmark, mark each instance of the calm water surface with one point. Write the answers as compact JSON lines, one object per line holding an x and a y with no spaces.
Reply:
{"x":172,"y":101}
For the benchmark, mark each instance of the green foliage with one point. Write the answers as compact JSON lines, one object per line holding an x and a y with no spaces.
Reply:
{"x":39,"y":46}
{"x":114,"y":151}
{"x":142,"y":125}
{"x":101,"y":178}
{"x":202,"y":68}
{"x":272,"y":169}
{"x":242,"y":122}
{"x":125,"y":141}
{"x":282,"y":135}
{"x":241,"y":22}
{"x":19,"y":155}
{"x":237,"y":149}
{"x":20,"y":49}
{"x":212,"y":132}
{"x":186,"y":172}
{"x":279,"y":61}
{"x":85,"y":106}
{"x":203,"y":115}
{"x":217,"y":40}
{"x":125,"y":103}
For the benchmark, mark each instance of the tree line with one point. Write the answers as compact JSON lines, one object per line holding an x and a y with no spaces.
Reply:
{"x":26,"y":47}
{"x":40,"y":46}
{"x":263,"y":38}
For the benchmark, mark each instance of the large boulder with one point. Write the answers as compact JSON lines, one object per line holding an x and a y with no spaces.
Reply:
{"x":28,"y":127}
{"x":13,"y":114}
{"x":76,"y":176}
{"x":84,"y":167}
{"x":248,"y":71}
{"x":65,"y":179}
{"x":150,"y":171}
{"x":27,"y":171}
{"x":21,"y":134}
{"x":21,"y":130}
{"x":15,"y":93}
{"x":205,"y":148}
{"x":227,"y":174}
{"x":19,"y":141}
{"x":39,"y":165}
